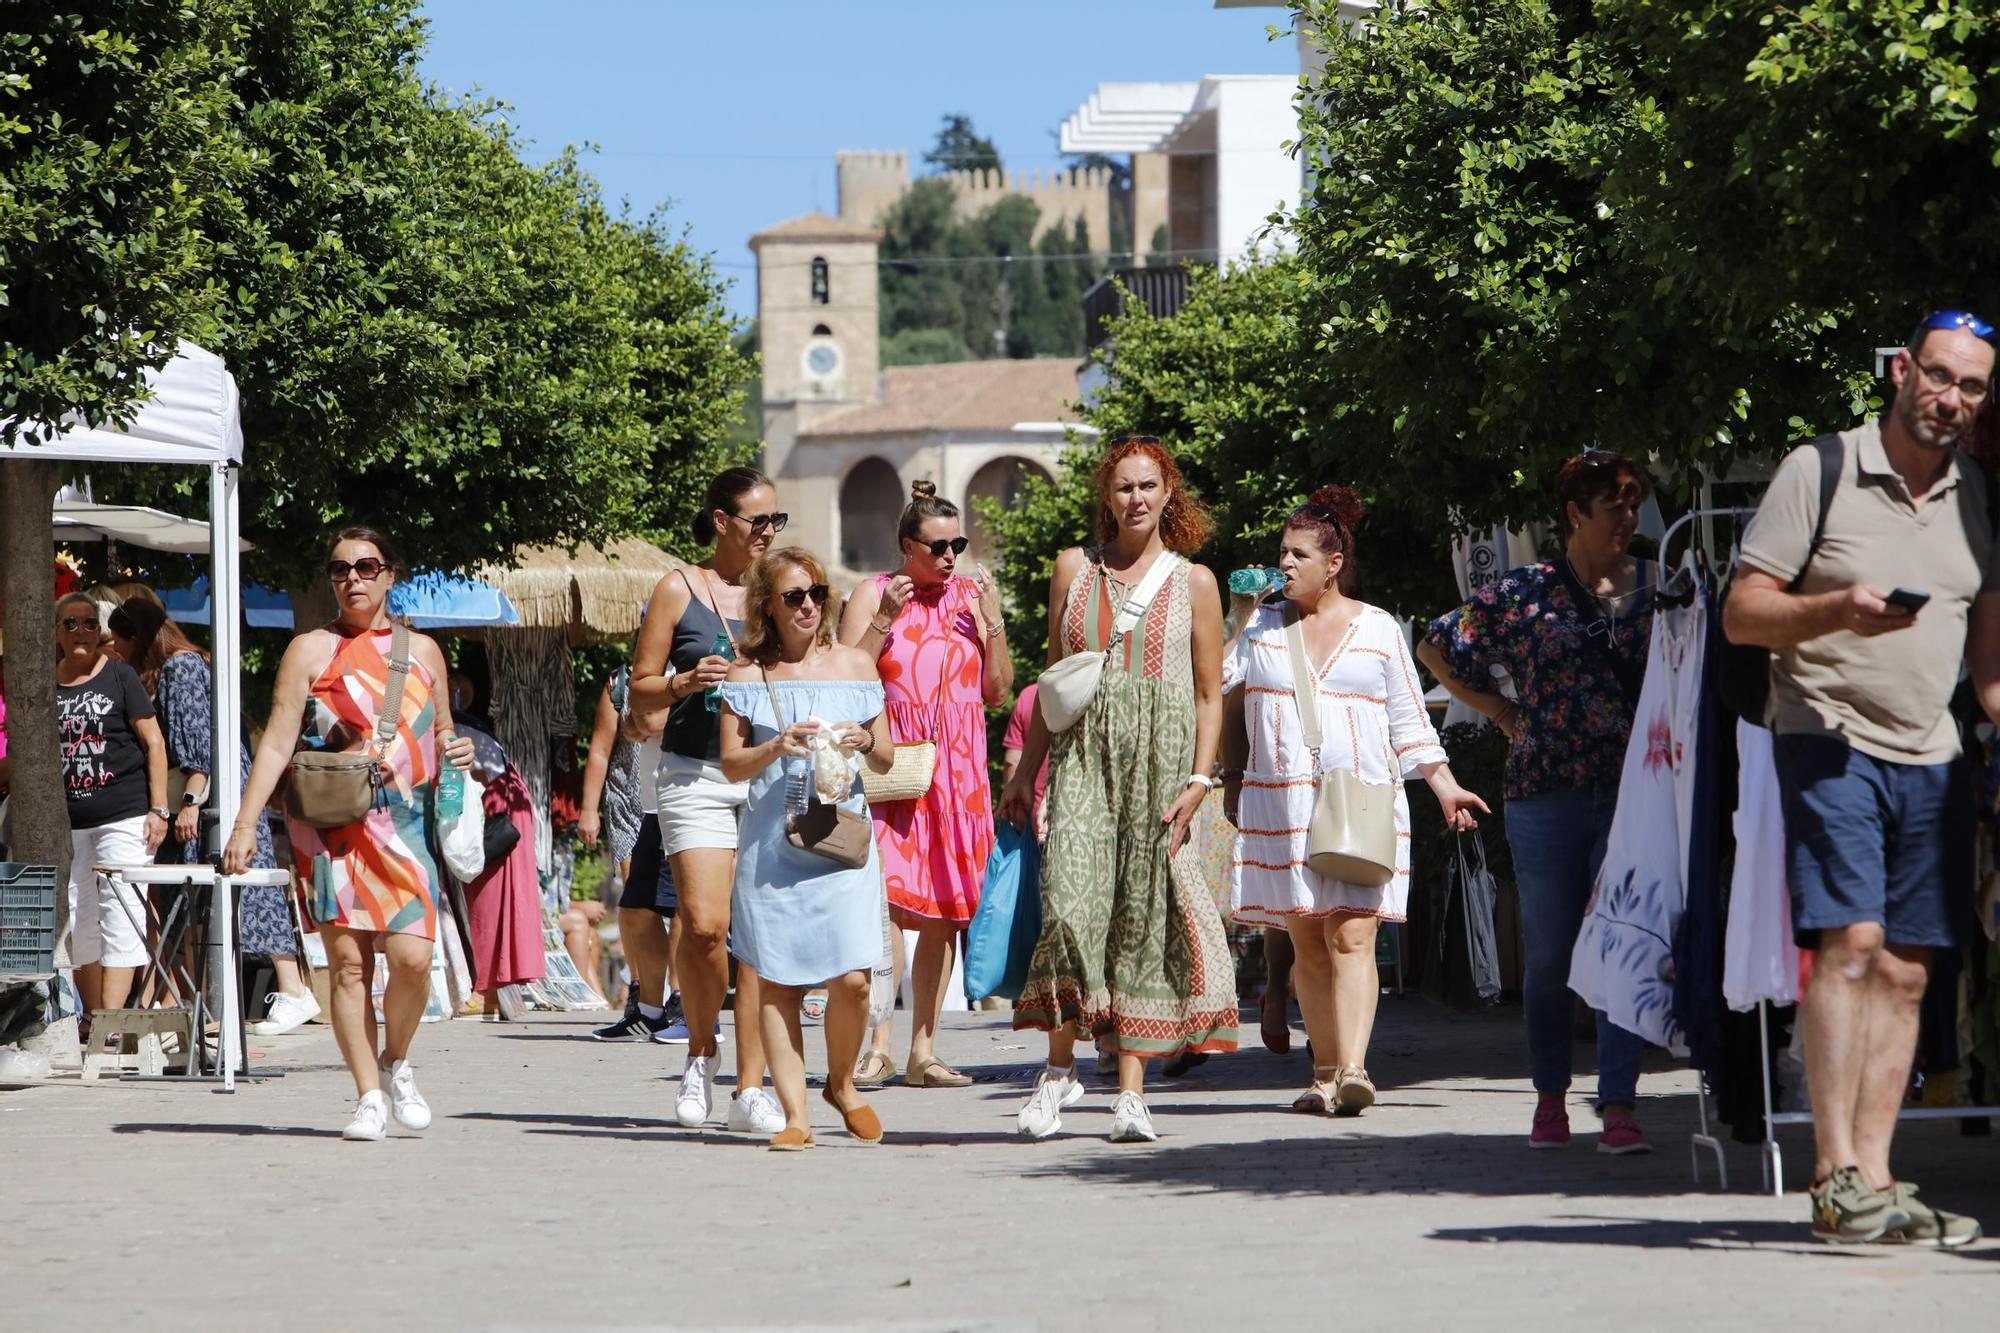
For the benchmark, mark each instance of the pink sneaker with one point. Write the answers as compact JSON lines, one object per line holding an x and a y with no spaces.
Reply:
{"x":1551,"y":1123}
{"x":1621,"y":1136}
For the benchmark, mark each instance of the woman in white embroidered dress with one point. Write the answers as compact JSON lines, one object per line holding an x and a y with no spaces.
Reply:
{"x":1373,"y":724}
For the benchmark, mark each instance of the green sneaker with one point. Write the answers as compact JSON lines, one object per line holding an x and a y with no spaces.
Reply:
{"x":1847,"y":1210}
{"x":1927,"y":1225}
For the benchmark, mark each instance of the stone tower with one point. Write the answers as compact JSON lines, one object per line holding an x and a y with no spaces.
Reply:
{"x":818,"y":301}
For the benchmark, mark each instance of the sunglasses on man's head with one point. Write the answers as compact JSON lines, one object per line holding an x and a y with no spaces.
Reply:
{"x":796,"y":597}
{"x":75,"y":624}
{"x":369,"y":568}
{"x":1957,"y":319}
{"x":758,"y":522}
{"x":956,"y":545}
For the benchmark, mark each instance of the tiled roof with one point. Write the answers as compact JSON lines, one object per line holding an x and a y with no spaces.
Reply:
{"x":815,"y":226}
{"x":963,"y":395}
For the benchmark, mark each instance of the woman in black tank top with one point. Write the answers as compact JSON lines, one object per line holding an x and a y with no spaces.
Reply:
{"x":689,"y":610}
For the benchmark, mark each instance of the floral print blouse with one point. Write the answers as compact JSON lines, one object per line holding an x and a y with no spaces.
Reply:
{"x":1574,"y":718}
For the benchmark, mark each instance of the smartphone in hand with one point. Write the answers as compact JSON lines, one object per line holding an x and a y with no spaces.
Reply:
{"x":1909,"y":599}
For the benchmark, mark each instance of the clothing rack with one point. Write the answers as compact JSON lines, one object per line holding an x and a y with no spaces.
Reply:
{"x":1662,"y":579}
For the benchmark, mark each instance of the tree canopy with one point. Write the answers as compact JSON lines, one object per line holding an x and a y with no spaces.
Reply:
{"x":960,"y":147}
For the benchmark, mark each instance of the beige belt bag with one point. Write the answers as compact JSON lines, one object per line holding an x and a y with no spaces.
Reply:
{"x":331,"y":789}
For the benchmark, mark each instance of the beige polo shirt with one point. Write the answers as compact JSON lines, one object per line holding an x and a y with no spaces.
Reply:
{"x":1885,"y":696}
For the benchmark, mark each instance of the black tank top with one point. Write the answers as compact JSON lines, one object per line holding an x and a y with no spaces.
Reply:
{"x":691,"y":729}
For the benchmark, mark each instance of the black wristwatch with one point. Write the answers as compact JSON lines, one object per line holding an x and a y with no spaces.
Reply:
{"x":189,"y":798}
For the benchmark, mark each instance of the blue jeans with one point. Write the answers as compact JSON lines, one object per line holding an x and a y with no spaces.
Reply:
{"x":1558,"y":843}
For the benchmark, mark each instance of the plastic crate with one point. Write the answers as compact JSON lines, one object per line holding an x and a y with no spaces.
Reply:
{"x":27,"y":918}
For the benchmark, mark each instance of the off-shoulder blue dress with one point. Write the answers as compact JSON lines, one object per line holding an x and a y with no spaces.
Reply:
{"x":796,"y":917}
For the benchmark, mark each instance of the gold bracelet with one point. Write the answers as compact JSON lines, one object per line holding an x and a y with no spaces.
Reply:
{"x":882,"y":630}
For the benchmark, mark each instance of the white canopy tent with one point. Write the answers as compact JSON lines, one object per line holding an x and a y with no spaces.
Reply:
{"x":135,"y":525}
{"x":192,"y":420}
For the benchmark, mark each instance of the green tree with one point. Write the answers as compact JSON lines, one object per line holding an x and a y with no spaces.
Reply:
{"x":924,"y":347}
{"x":959,"y":147}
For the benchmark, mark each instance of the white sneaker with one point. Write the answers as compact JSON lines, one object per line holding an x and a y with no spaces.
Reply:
{"x":412,"y":1111}
{"x":693,"y":1104}
{"x":1131,"y":1122}
{"x":288,"y":1013}
{"x":755,"y":1112}
{"x":371,"y":1118}
{"x":1054,"y":1090}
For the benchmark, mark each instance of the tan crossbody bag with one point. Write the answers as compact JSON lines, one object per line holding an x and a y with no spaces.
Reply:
{"x":333,"y":788}
{"x":1351,"y":836}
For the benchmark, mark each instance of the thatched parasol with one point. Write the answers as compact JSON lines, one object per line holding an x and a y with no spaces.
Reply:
{"x":596,"y":592}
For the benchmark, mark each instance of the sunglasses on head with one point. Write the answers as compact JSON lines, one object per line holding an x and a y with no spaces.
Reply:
{"x":1957,"y":319}
{"x":758,"y":522}
{"x":956,"y":545}
{"x":796,"y":597}
{"x":75,"y":624}
{"x":369,"y":568}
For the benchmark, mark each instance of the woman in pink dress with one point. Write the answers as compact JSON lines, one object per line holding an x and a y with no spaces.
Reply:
{"x":941,"y":648}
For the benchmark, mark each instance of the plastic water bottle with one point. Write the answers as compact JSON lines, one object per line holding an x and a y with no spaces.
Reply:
{"x":1256,"y":580}
{"x":711,"y":698}
{"x":451,"y":794}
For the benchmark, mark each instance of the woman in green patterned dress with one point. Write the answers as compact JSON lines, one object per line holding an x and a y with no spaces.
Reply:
{"x":1132,"y":948}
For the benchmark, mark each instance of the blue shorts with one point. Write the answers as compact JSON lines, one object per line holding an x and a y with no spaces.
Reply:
{"x":1867,"y":840}
{"x":651,"y":884}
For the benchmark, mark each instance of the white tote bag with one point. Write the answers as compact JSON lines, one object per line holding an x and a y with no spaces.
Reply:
{"x":1068,"y":687}
{"x":464,"y":838}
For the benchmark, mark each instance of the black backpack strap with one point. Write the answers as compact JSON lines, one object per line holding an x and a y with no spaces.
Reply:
{"x":1832,"y":460}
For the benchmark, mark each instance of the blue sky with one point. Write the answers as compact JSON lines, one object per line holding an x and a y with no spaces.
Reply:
{"x":731,"y":113}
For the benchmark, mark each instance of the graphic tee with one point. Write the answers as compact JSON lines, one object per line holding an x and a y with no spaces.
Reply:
{"x":104,"y":765}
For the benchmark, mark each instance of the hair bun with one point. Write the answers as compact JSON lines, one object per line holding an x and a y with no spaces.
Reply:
{"x":1344,"y":501}
{"x":922,"y":490}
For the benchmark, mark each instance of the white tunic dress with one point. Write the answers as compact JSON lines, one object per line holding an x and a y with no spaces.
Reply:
{"x":1372,"y":723}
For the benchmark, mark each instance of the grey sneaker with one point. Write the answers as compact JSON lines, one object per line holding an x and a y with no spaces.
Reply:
{"x":1927,"y":1225}
{"x":1847,"y":1210}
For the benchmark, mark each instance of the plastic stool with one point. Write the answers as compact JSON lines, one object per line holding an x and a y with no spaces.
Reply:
{"x":146,"y":1027}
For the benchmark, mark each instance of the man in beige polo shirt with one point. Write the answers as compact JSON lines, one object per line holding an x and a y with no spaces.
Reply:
{"x":1869,"y":632}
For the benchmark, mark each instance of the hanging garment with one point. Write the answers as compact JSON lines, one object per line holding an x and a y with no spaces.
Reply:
{"x":1708,"y":855}
{"x":1759,"y":960}
{"x":1623,"y":962}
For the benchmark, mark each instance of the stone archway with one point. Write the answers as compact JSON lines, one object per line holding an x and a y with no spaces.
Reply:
{"x":1000,"y":482}
{"x":871,"y":500}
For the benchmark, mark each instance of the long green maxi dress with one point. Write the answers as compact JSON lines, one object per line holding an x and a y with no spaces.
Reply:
{"x":1132,"y":946}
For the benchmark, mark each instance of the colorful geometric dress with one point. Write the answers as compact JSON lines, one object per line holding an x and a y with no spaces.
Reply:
{"x":1132,"y":946}
{"x":1372,"y":723}
{"x":375,"y":874}
{"x":934,"y":847}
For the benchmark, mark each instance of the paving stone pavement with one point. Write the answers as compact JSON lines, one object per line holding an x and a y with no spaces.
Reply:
{"x":555,"y":1191}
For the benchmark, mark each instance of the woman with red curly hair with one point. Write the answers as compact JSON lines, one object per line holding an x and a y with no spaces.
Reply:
{"x":1132,"y":948}
{"x":1372,"y":723}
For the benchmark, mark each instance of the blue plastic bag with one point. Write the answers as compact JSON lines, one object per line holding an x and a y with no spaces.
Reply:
{"x":1001,"y":939}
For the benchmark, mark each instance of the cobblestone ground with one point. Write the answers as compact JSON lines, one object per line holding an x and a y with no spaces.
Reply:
{"x":555,"y":1191}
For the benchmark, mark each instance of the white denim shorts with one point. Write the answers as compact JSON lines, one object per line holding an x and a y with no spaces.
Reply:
{"x":697,"y":807}
{"x":107,"y":917}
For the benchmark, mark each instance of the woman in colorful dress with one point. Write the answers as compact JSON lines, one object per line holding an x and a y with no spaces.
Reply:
{"x":1372,"y":723}
{"x":803,"y":920}
{"x":372,"y":881}
{"x":177,"y":675}
{"x":691,"y":625}
{"x":1132,"y":950}
{"x":1572,"y":634}
{"x":941,"y":647}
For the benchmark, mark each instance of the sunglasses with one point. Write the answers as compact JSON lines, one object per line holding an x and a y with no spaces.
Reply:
{"x":369,"y":568}
{"x":1957,"y":319}
{"x":758,"y":522}
{"x":796,"y":597}
{"x":76,"y":624}
{"x":956,"y":545}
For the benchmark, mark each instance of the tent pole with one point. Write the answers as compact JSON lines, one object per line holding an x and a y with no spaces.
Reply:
{"x":227,"y":620}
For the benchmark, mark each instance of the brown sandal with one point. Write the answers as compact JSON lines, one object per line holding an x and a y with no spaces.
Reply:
{"x":791,"y":1140}
{"x":874,"y":1070}
{"x":932,"y":1072}
{"x":861,"y":1122}
{"x":1353,"y":1090}
{"x":1318,"y":1099}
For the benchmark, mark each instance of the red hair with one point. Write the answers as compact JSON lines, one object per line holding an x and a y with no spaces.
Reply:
{"x":1184,"y":524}
{"x":1331,"y":515}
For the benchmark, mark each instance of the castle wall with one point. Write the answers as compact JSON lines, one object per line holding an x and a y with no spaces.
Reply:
{"x":871,"y":182}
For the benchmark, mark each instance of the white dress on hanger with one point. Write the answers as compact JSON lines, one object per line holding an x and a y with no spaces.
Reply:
{"x":1759,"y":959}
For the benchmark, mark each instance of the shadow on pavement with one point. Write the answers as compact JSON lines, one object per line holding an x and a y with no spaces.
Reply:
{"x":1653,"y":1233}
{"x":233,"y":1131}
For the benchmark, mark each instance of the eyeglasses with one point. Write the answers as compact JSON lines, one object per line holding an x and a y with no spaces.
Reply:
{"x":76,"y":624}
{"x":1956,"y":319}
{"x":796,"y":597}
{"x":1972,"y":391}
{"x":758,"y":522}
{"x":956,"y":545}
{"x":368,"y":569}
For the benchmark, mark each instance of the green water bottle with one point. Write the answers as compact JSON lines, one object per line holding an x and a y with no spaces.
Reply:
{"x":711,"y":698}
{"x":451,"y":793}
{"x":1256,"y":580}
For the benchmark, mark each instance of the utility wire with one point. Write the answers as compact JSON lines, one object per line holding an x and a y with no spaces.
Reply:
{"x":960,"y":261}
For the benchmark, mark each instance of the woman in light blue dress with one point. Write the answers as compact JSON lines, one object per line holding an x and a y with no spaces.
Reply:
{"x":801,"y":919}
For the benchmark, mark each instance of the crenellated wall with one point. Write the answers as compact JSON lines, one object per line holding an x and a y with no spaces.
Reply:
{"x":870,"y":182}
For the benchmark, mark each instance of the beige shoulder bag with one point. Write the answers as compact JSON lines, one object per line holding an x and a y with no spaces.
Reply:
{"x":1068,"y":687}
{"x":333,"y":788}
{"x":916,"y":761}
{"x":1351,"y":836}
